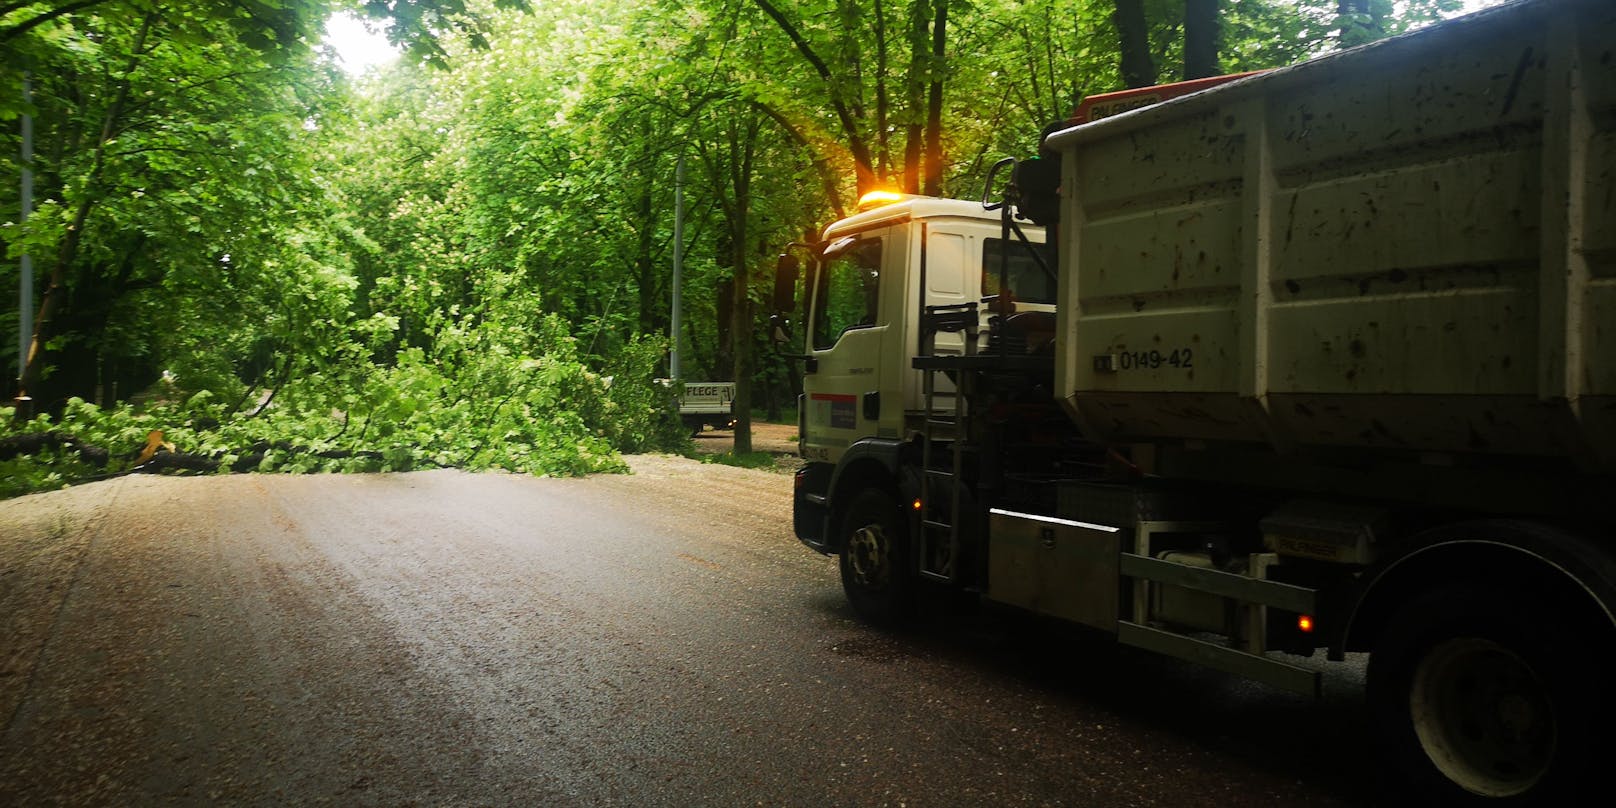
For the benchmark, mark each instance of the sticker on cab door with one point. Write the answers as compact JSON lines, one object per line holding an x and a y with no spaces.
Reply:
{"x":836,"y":409}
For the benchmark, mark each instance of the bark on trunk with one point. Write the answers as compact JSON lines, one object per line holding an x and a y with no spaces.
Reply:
{"x":741,"y":303}
{"x":33,"y":364}
{"x":934,"y":103}
{"x":1359,"y":23}
{"x":1133,"y":39}
{"x":1200,"y":39}
{"x":914,"y":132}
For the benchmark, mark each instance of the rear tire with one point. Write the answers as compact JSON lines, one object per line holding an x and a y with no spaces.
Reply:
{"x":1481,"y":698}
{"x":875,"y":559}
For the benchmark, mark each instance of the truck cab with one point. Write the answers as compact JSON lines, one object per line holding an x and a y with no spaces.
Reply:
{"x":873,"y":276}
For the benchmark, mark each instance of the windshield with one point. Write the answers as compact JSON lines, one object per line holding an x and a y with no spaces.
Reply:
{"x":849,"y":292}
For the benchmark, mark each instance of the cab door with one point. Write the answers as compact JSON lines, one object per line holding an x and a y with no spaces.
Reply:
{"x":857,"y":289}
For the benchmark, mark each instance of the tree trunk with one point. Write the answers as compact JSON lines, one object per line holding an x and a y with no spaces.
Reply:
{"x":33,"y":365}
{"x":1133,"y":39}
{"x":724,"y":354}
{"x":883,"y":104}
{"x":741,"y":333}
{"x":1200,"y":39}
{"x":653,"y":309}
{"x":773,"y":394}
{"x":742,"y":154}
{"x":1358,"y":22}
{"x":915,"y":130}
{"x":729,"y":167}
{"x":934,"y":103}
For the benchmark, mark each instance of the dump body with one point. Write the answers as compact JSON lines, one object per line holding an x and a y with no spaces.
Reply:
{"x":1406,"y":247}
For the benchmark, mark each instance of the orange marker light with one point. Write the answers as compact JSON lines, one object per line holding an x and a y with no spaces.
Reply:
{"x":875,"y":199}
{"x":1304,"y":624}
{"x":917,"y":504}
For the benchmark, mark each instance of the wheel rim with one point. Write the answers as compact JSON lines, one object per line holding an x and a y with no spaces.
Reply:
{"x":1483,"y":717}
{"x":868,"y":556}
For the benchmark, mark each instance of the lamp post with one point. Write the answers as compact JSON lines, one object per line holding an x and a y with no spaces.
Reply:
{"x":25,"y":284}
{"x":678,"y":266}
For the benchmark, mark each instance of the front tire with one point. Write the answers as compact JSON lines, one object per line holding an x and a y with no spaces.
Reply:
{"x":1480,"y":700}
{"x":875,"y":559}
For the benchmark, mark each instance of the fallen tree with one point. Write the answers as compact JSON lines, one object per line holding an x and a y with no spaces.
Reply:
{"x":36,"y":442}
{"x":159,"y":455}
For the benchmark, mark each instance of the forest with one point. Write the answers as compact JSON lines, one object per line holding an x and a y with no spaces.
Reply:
{"x":242,"y":258}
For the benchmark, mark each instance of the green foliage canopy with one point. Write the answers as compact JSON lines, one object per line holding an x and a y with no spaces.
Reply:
{"x":464,"y":259}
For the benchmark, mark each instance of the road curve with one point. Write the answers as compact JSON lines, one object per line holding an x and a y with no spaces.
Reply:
{"x":650,"y":639}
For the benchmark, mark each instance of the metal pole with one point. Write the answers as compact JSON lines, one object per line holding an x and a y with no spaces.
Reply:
{"x":678,"y":264}
{"x":25,"y":286}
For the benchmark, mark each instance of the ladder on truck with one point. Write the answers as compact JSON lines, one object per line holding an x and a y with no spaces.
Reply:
{"x":939,"y":535}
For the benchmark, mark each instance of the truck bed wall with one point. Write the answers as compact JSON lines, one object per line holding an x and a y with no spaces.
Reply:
{"x":1410,"y":245}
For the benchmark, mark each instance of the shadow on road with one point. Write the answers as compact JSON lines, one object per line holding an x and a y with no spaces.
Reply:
{"x":1326,"y":745}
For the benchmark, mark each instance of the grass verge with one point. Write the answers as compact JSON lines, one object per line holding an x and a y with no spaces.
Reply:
{"x":746,"y":460}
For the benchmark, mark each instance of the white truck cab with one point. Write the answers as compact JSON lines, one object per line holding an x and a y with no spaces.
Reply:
{"x":875,"y":272}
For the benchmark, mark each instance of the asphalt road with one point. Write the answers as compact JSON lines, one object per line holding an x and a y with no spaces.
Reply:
{"x":443,"y":638}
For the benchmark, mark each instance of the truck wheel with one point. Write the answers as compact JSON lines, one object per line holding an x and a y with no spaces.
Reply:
{"x":875,"y":559}
{"x":1479,"y":701}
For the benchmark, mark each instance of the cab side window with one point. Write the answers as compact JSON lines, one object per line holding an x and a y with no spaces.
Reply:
{"x":1030,"y":281}
{"x":849,"y":292}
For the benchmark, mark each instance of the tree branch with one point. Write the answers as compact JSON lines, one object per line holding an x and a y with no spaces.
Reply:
{"x":855,"y":141}
{"x":24,"y":27}
{"x":827,"y":177}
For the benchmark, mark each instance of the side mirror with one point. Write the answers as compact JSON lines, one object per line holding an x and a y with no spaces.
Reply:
{"x":779,"y":329}
{"x":1038,"y":180}
{"x":785,"y":283}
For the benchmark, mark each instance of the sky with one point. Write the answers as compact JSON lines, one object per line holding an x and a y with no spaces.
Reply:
{"x":358,"y":48}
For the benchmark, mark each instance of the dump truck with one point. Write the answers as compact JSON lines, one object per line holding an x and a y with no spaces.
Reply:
{"x":1319,"y":361}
